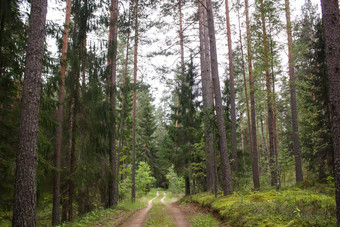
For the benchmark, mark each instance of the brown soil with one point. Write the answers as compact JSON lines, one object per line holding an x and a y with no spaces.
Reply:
{"x":139,"y":217}
{"x":178,"y":216}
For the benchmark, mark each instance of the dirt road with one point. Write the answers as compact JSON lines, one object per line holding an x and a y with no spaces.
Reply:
{"x":138,"y":218}
{"x":176,"y":213}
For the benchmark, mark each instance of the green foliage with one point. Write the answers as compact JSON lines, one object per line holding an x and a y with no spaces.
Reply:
{"x":291,"y":207}
{"x":144,"y":181}
{"x":176,"y":183}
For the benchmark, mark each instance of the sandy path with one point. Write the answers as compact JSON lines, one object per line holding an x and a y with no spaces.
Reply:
{"x":176,"y":213}
{"x":139,"y":217}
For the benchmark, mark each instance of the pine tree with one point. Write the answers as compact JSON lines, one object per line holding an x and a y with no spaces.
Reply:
{"x":331,"y":22}
{"x":226,"y":172}
{"x":24,"y":211}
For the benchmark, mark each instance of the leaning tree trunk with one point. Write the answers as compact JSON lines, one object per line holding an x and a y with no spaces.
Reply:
{"x":226,"y":172}
{"x":24,"y":210}
{"x":112,"y":76}
{"x":207,"y":100}
{"x":331,"y":23}
{"x":232,"y":93}
{"x":255,"y":158}
{"x":133,"y":188}
{"x":296,"y":140}
{"x":59,"y":130}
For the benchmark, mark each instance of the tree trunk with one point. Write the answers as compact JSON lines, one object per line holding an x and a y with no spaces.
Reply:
{"x":232,"y":93}
{"x":255,"y":166}
{"x":207,"y":100}
{"x":331,"y":23}
{"x":121,"y":127}
{"x":112,"y":76}
{"x":59,"y":130}
{"x":226,"y":173}
{"x":133,"y":188}
{"x":24,"y":210}
{"x":245,"y":85}
{"x":187,"y":186}
{"x":296,"y":140}
{"x":269,"y":102}
{"x":181,"y":42}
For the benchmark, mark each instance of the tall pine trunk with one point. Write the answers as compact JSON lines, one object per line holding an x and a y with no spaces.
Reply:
{"x":232,"y":93}
{"x":255,"y":158}
{"x":273,"y":167}
{"x":133,"y":188}
{"x":24,"y":210}
{"x":331,"y":24}
{"x":226,"y":172}
{"x":112,"y":77}
{"x":207,"y":100}
{"x":296,"y":140}
{"x":245,"y":84}
{"x":59,"y":130}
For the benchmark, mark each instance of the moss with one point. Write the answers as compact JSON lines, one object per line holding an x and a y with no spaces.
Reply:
{"x":289,"y":207}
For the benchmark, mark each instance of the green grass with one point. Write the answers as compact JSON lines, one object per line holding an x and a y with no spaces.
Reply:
{"x":111,"y":217}
{"x":289,"y":207}
{"x":158,"y":216}
{"x":204,"y":220}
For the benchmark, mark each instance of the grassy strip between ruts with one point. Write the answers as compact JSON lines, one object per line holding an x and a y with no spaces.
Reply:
{"x":290,"y":207}
{"x":158,"y":216}
{"x":114,"y":216}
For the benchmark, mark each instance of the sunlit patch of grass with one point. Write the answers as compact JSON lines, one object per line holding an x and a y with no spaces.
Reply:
{"x":204,"y":220}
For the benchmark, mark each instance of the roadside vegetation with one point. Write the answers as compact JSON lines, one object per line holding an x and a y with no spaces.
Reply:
{"x":295,"y":206}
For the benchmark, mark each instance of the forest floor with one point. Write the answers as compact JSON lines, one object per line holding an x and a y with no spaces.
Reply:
{"x":161,"y":209}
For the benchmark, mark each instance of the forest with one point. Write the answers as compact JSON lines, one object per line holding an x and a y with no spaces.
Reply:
{"x":224,"y":112}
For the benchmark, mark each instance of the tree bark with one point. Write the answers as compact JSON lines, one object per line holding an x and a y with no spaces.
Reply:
{"x":331,"y":24}
{"x":112,"y":76}
{"x":59,"y":130}
{"x":296,"y":140}
{"x":24,"y":210}
{"x":255,"y":158}
{"x":133,"y":188}
{"x":207,"y":100}
{"x":232,"y":93}
{"x":226,"y":172}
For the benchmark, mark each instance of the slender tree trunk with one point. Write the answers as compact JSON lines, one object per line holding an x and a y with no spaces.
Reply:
{"x":226,"y":172}
{"x":273,"y":167}
{"x":133,"y":188}
{"x":296,"y":140}
{"x":59,"y":130}
{"x":187,"y":186}
{"x":24,"y":210}
{"x":232,"y":93}
{"x":264,"y":141}
{"x":245,"y":84}
{"x":255,"y":167}
{"x":181,"y":42}
{"x":207,"y":100}
{"x":112,"y":76}
{"x":73,"y":120}
{"x":331,"y":23}
{"x":121,"y":127}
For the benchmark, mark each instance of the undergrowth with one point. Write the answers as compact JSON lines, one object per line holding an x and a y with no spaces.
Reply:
{"x":288,"y":207}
